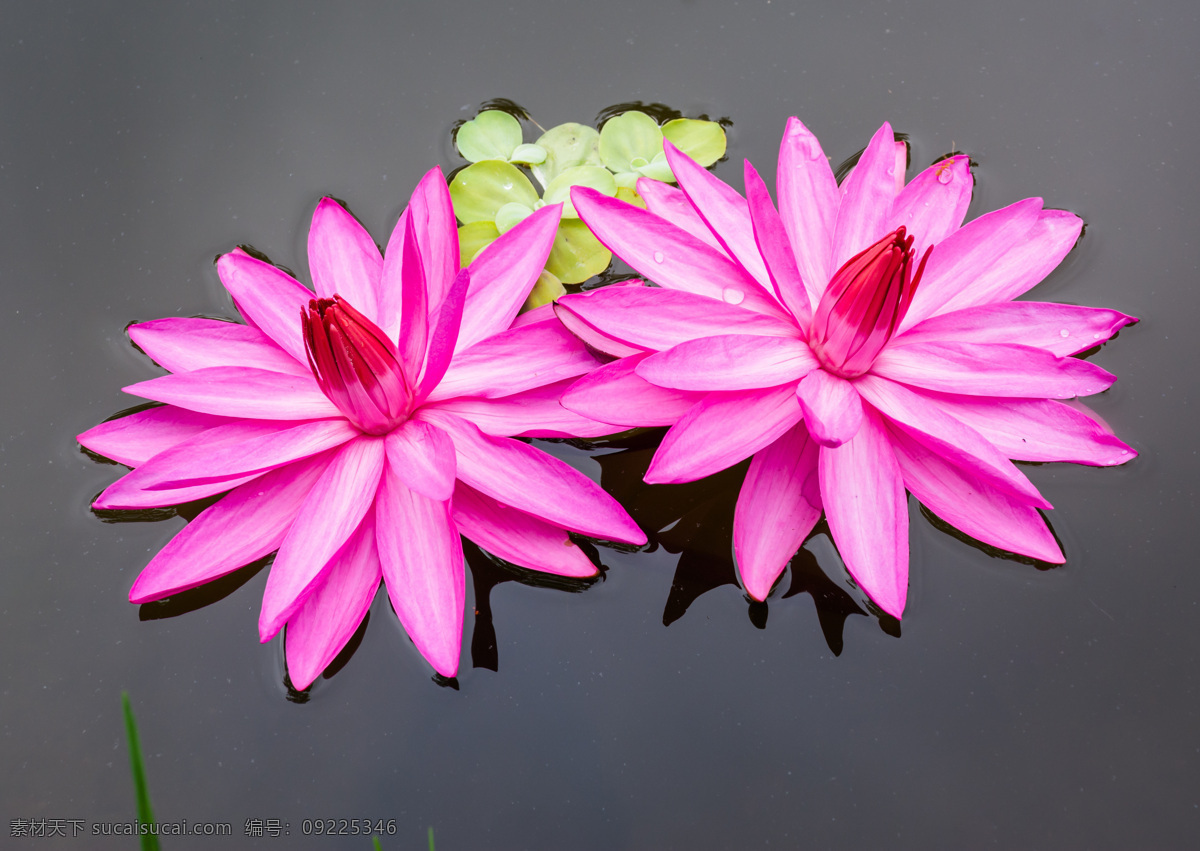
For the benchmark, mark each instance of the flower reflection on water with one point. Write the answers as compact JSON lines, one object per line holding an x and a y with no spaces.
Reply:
{"x":360,"y":429}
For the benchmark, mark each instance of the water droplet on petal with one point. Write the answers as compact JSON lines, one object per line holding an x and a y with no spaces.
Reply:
{"x":732,"y":296}
{"x":945,"y":175}
{"x":1064,"y":333}
{"x":1096,"y":336}
{"x":658,"y":257}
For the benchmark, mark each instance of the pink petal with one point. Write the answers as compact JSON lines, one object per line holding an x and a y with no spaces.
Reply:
{"x":182,"y":345}
{"x":867,"y":196}
{"x":778,"y":506}
{"x":531,"y":413}
{"x":668,"y":255}
{"x":536,"y":483}
{"x":269,"y":298}
{"x":422,"y":456}
{"x":651,"y":318}
{"x":504,"y":273}
{"x":129,"y":494}
{"x":335,"y":506}
{"x":669,"y":202}
{"x":437,"y":233}
{"x":1025,"y":264}
{"x":516,"y":536}
{"x":520,"y":359}
{"x":722,"y":209}
{"x":391,"y":291}
{"x":321,"y":627}
{"x":235,"y":391}
{"x":249,"y":522}
{"x":616,"y":393}
{"x":930,"y":425}
{"x":865,"y":506}
{"x":991,"y":369}
{"x":1037,"y":429}
{"x":343,"y":259}
{"x":1061,"y":329}
{"x":729,"y":362}
{"x":970,"y":504}
{"x":956,"y":262}
{"x":772,"y":240}
{"x":414,"y":303}
{"x":720,"y":431}
{"x":242,"y":448}
{"x":809,"y":199}
{"x":445,"y":333}
{"x":135,"y":439}
{"x":832,"y":409}
{"x":932,"y":206}
{"x":592,"y":336}
{"x":421,"y":554}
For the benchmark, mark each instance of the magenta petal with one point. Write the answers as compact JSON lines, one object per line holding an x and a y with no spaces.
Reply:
{"x":414,"y":304}
{"x":832,"y":409}
{"x":531,"y":413}
{"x":422,"y":456}
{"x":729,"y":362}
{"x":245,"y":525}
{"x":809,"y":199}
{"x":520,"y":359}
{"x":421,"y":554}
{"x":772,"y":240}
{"x":129,"y":492}
{"x":932,"y":206}
{"x":240,"y":392}
{"x":722,"y":209}
{"x":185,"y":344}
{"x":778,"y":506}
{"x":504,"y":273}
{"x":991,"y":369}
{"x":445,"y":333}
{"x":971,"y":504}
{"x":437,"y":233}
{"x":536,"y":483}
{"x":652,"y":318}
{"x":592,"y":336}
{"x":269,"y":298}
{"x":721,"y":430}
{"x":668,"y":202}
{"x":135,"y":439}
{"x":867,"y":196}
{"x":669,"y":255}
{"x":343,"y":259}
{"x":956,"y":263}
{"x":321,"y":627}
{"x":865,"y":506}
{"x":616,"y":393}
{"x":516,"y":536}
{"x":335,"y":506}
{"x":1061,"y":329}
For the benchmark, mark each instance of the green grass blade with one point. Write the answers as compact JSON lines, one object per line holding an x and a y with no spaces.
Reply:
{"x":431,"y":839}
{"x":144,"y":813}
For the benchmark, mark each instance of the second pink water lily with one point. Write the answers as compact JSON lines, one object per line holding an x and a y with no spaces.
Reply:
{"x":360,"y":428}
{"x":859,"y":340}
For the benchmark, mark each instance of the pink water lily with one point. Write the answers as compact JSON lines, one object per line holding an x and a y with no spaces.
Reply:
{"x":360,"y":429}
{"x":858,"y":341}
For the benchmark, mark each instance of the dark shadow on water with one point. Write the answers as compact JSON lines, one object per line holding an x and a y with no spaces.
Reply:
{"x":204,"y":595}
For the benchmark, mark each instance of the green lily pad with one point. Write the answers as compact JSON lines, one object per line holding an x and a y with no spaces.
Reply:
{"x":490,"y":135}
{"x":545,"y":290}
{"x":559,"y":190}
{"x":473,"y":238}
{"x":703,"y":141}
{"x":576,"y":255}
{"x":630,"y":196}
{"x":567,"y":146}
{"x":511,"y":215}
{"x":528,"y":155}
{"x":657,"y":168}
{"x":627,"y":137}
{"x":481,"y":189}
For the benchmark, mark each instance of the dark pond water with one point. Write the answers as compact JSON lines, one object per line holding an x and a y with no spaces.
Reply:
{"x":1014,"y":707}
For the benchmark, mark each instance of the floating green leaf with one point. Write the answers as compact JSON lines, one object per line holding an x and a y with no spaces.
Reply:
{"x":567,"y":146}
{"x":480,"y":190}
{"x":576,"y":254}
{"x":511,"y":215}
{"x":559,"y":190}
{"x":545,"y":290}
{"x":528,"y":155}
{"x":490,"y":135}
{"x":703,"y":141}
{"x":629,"y":140}
{"x":473,"y":238}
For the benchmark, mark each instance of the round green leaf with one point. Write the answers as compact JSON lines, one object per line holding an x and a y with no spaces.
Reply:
{"x":473,"y":238}
{"x":576,"y":254}
{"x":479,"y":190}
{"x":703,"y":141}
{"x":628,"y":136}
{"x":545,"y":290}
{"x":511,"y":215}
{"x":597,"y":178}
{"x":567,"y":146}
{"x":627,"y":179}
{"x":490,"y":135}
{"x":657,"y":169}
{"x":528,"y":154}
{"x":630,"y":196}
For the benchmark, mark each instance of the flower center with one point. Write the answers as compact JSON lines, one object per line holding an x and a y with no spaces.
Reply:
{"x":864,"y":303}
{"x":356,"y":366}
